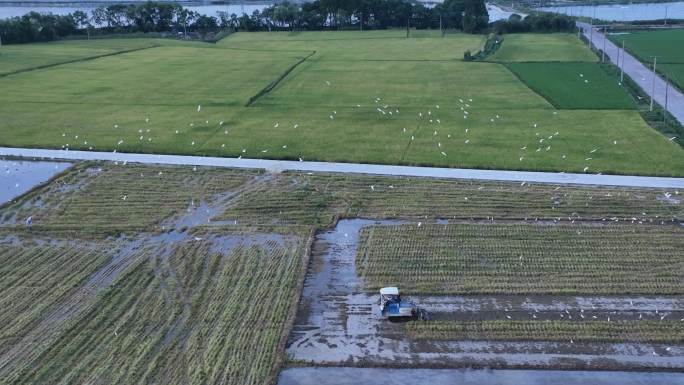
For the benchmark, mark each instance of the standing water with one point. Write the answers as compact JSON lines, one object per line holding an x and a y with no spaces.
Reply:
{"x":13,"y":9}
{"x":386,"y":376}
{"x":623,"y":12}
{"x":19,"y":176}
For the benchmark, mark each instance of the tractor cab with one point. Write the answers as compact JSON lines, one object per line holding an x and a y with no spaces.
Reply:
{"x":393,"y":306}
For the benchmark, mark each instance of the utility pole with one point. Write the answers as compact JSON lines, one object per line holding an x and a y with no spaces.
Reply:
{"x":622,"y":66}
{"x":440,"y":25}
{"x":667,"y":86}
{"x":591,"y":32}
{"x":666,"y":15}
{"x":654,"y":80}
{"x":603,"y":51}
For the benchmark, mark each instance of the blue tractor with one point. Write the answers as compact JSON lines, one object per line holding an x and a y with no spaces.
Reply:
{"x":393,"y":306}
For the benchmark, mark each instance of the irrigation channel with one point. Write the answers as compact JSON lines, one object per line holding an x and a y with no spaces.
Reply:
{"x":19,"y":176}
{"x":337,"y":325}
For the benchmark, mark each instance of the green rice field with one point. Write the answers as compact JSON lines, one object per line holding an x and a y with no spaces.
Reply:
{"x":577,"y":85}
{"x":665,"y":44}
{"x":374,"y":97}
{"x":525,"y":47}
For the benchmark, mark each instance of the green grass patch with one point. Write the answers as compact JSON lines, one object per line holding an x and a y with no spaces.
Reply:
{"x":674,"y":72}
{"x":542,"y":48}
{"x":665,"y":44}
{"x":574,"y":85}
{"x":21,"y":57}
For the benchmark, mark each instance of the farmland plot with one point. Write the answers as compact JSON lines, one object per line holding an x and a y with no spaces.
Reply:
{"x":316,"y":199}
{"x":192,"y":312}
{"x":172,"y":265}
{"x":523,"y":258}
{"x":671,"y":331}
{"x":111,"y":198}
{"x":545,"y":47}
{"x":349,"y":96}
{"x":574,"y":85}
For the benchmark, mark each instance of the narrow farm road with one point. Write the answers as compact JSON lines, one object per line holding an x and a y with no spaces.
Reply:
{"x":641,"y":74}
{"x":354,"y":168}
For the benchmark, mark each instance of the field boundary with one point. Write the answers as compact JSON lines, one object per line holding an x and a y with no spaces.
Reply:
{"x":272,"y":165}
{"x":277,"y":81}
{"x":536,"y":91}
{"x":2,"y":75}
{"x":281,"y":358}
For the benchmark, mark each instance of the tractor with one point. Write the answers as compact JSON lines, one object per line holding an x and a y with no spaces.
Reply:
{"x":392,"y":306}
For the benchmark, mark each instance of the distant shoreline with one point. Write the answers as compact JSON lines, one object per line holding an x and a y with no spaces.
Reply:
{"x":106,"y":2}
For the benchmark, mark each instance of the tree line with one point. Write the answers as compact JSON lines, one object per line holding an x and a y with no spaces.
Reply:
{"x":467,"y":15}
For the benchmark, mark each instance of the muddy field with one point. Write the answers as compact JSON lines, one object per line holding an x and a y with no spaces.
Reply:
{"x":166,"y":274}
{"x":338,"y":322}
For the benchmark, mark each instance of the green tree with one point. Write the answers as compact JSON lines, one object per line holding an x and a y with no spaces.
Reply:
{"x":475,"y":16}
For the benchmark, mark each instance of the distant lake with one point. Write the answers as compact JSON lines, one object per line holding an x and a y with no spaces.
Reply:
{"x":624,"y":12}
{"x":20,"y":9}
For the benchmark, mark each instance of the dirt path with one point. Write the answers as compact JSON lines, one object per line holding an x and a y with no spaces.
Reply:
{"x":338,"y":323}
{"x":355,"y":168}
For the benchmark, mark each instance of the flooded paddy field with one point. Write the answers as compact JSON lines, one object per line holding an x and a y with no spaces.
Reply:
{"x":19,"y":176}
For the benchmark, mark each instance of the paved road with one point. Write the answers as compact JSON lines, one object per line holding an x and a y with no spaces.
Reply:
{"x":639,"y":73}
{"x":354,"y":168}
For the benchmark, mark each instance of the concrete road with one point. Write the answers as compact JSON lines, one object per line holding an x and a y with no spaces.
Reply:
{"x":355,"y":168}
{"x":642,"y":75}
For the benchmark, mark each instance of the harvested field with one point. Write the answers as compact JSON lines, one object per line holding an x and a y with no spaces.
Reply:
{"x":316,"y":199}
{"x":186,"y":313}
{"x":338,"y":322}
{"x":668,"y":332}
{"x":110,"y":198}
{"x":37,"y":276}
{"x":523,"y":258}
{"x":167,"y":285}
{"x":124,"y":278}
